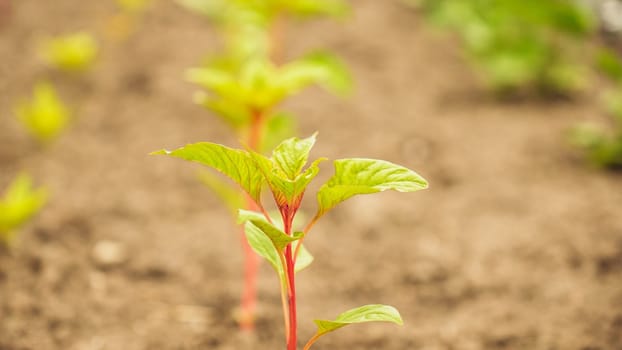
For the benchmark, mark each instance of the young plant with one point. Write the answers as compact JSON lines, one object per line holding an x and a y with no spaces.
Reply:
{"x":73,"y":53}
{"x":18,"y":205}
{"x":281,"y":244}
{"x":45,"y":116}
{"x":245,"y":85}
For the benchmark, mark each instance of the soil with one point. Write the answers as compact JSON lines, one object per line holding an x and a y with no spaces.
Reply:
{"x":516,"y":245}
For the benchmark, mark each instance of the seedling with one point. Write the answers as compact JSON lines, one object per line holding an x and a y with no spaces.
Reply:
{"x":281,"y":244}
{"x":518,"y":43}
{"x":20,"y":203}
{"x":73,"y":53}
{"x":45,"y":116}
{"x":245,"y":85}
{"x":246,"y":97}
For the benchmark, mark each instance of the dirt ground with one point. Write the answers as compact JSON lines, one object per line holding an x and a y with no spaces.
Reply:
{"x":516,"y":245}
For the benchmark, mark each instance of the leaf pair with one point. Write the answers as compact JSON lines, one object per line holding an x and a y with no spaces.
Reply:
{"x":285,"y":175}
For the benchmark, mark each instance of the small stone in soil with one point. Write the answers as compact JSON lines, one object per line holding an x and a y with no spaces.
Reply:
{"x":108,"y":253}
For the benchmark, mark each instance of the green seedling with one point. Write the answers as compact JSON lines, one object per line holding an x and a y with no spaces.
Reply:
{"x":45,"y":116}
{"x":520,"y":43}
{"x":247,"y":97}
{"x":18,"y":205}
{"x":74,"y":52}
{"x":603,"y":146}
{"x":246,"y":84}
{"x":286,"y":177}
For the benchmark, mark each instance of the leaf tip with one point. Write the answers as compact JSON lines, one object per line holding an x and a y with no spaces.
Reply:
{"x":160,"y":152}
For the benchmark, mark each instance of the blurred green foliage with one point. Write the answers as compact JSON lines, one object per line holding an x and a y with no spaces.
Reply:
{"x":520,"y":43}
{"x":249,"y":24}
{"x":45,"y":116}
{"x":236,"y":92}
{"x":20,"y":203}
{"x":603,"y":146}
{"x":74,"y":52}
{"x":247,"y":82}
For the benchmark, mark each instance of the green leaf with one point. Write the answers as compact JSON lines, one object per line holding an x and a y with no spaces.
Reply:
{"x":263,"y":246}
{"x":292,"y":154}
{"x":278,"y":238}
{"x":19,"y":203}
{"x":283,"y":171}
{"x":367,"y":313}
{"x":286,"y":191}
{"x":235,"y":164}
{"x":316,"y":68}
{"x":364,"y":176}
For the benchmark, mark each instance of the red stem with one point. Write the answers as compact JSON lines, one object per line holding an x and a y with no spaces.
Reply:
{"x":291,"y":278}
{"x":251,"y":260}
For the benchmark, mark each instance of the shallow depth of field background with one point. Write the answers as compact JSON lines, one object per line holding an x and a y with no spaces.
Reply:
{"x":516,"y":245}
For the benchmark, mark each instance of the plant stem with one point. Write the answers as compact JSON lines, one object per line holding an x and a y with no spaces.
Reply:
{"x":291,"y":281}
{"x":284,"y":292}
{"x":311,"y":341}
{"x":251,"y":260}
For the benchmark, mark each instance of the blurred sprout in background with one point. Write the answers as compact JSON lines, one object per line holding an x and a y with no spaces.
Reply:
{"x":19,"y":204}
{"x":44,"y":116}
{"x":73,"y":52}
{"x":253,"y":27}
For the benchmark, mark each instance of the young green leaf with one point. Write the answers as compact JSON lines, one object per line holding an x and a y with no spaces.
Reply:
{"x":285,"y":190}
{"x":263,"y":246}
{"x":45,"y":116}
{"x":292,"y":154}
{"x":363,"y":176}
{"x":367,"y":313}
{"x":279,"y":238}
{"x":235,"y":164}
{"x":19,"y":203}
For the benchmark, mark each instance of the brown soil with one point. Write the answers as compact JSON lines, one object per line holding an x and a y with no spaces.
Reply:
{"x":516,"y":245}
